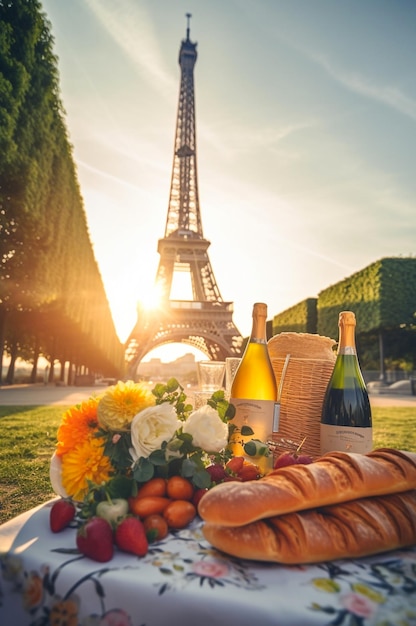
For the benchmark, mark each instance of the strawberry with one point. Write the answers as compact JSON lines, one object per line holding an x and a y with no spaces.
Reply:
{"x":95,"y":539}
{"x":199,"y":493}
{"x":130,"y":536}
{"x":61,"y":515}
{"x":249,"y":472}
{"x":235,"y":464}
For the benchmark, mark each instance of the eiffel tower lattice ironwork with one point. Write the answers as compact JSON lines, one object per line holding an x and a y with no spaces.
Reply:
{"x":205,"y":322}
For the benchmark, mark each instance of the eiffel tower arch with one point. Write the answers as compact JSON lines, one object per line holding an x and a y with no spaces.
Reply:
{"x":206,"y":321}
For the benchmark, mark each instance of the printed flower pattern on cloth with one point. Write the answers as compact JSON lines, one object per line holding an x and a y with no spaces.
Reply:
{"x":369,"y":596}
{"x":380,"y":591}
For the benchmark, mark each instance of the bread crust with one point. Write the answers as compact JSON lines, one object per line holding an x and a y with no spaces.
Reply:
{"x":349,"y":530}
{"x":334,"y":478}
{"x":301,"y":346}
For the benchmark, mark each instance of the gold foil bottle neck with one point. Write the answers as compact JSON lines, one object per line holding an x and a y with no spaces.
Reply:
{"x":346,"y":325}
{"x":260,"y":309}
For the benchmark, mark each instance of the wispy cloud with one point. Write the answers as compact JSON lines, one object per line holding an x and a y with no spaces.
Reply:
{"x":388,"y":95}
{"x":129,"y":26}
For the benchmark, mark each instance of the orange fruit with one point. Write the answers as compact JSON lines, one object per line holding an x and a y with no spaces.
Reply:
{"x":154,"y":487}
{"x":179,"y":513}
{"x":179,"y":488}
{"x":149,"y":505}
{"x":156,"y":527}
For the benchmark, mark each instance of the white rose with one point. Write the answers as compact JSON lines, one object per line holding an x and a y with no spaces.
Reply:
{"x":151,"y":427}
{"x":55,"y":475}
{"x":208,"y":430}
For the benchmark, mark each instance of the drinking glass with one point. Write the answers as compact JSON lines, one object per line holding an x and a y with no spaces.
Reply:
{"x":231,"y":366}
{"x":211,"y":375}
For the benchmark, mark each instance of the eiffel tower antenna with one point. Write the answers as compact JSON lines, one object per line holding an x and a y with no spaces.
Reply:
{"x":188,"y":20}
{"x":205,"y":321}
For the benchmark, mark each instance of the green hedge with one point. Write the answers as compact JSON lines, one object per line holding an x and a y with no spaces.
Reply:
{"x":382,"y":296}
{"x":301,"y":318}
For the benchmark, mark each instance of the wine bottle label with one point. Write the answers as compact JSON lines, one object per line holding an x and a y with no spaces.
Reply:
{"x":346,"y":439}
{"x":262,"y":416}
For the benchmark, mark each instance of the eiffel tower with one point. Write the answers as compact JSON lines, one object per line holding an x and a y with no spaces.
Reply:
{"x":205,"y":322}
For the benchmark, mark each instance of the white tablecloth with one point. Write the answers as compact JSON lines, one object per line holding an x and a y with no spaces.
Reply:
{"x":183,"y":581}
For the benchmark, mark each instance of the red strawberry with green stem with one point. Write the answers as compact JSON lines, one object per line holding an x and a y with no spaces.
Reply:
{"x":95,"y":539}
{"x":130,"y":536}
{"x":61,"y":515}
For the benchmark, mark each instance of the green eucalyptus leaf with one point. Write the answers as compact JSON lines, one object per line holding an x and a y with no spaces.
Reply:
{"x":188,"y":468}
{"x":172,"y":385}
{"x":143,"y":471}
{"x":159,"y":390}
{"x":201,"y":479}
{"x":157,"y":457}
{"x":120,"y":487}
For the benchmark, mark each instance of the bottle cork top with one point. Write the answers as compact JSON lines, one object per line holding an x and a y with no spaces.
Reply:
{"x":259,"y":308}
{"x":346,"y":317}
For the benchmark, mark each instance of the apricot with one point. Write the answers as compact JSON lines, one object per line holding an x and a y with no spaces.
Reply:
{"x":154,"y":487}
{"x":179,"y":488}
{"x":179,"y":513}
{"x":149,"y":505}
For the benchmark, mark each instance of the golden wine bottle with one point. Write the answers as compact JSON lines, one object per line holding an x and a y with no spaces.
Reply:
{"x":254,"y":391}
{"x":346,"y":423}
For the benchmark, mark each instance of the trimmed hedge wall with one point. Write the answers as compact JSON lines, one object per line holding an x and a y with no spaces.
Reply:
{"x":301,"y":318}
{"x":382,"y":296}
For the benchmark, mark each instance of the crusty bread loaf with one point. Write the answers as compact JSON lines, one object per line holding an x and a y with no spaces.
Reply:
{"x":335,"y":477}
{"x":349,"y":530}
{"x":301,"y":346}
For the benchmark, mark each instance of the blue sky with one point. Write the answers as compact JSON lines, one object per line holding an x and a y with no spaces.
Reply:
{"x":306,"y":135}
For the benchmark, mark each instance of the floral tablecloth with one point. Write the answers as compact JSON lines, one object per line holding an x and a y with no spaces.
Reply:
{"x":183,"y":581}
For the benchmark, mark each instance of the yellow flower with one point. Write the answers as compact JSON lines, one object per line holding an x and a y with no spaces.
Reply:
{"x":121,"y":403}
{"x":86,"y":462}
{"x":78,"y":424}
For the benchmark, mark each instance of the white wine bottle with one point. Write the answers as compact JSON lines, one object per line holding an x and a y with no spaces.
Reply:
{"x":254,"y":391}
{"x":346,"y":423}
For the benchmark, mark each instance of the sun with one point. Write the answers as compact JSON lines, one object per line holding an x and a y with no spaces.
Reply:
{"x":152,"y":299}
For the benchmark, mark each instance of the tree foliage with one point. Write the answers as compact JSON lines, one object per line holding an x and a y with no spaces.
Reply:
{"x":48,"y":274}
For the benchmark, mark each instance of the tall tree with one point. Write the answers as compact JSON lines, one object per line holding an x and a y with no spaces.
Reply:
{"x":46,"y":257}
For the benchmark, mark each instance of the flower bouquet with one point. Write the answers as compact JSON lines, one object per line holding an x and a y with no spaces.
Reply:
{"x":130,"y":441}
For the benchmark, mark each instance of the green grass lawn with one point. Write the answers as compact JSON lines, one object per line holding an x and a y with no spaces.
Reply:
{"x":28,"y":435}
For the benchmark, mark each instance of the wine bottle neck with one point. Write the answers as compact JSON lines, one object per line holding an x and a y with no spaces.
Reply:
{"x":347,"y":350}
{"x":258,"y":330}
{"x":346,"y":343}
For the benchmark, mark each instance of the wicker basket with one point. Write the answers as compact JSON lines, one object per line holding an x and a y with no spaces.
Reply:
{"x":301,"y":402}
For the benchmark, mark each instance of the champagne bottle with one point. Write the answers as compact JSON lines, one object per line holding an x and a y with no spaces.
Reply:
{"x":346,"y":413}
{"x":253,"y":391}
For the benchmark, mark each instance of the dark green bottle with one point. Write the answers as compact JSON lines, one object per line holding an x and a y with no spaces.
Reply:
{"x":346,"y":423}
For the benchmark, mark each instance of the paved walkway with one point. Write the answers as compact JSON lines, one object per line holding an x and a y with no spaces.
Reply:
{"x":34,"y":395}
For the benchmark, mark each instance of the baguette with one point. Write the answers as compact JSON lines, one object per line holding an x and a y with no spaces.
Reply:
{"x":335,"y":477}
{"x":350,"y":530}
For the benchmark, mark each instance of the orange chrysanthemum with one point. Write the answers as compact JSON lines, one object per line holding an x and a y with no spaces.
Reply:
{"x":121,"y":403}
{"x":78,"y":424}
{"x":86,"y":462}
